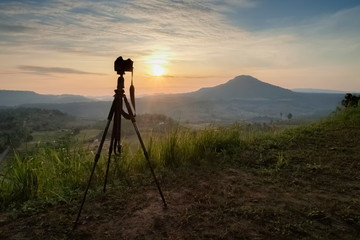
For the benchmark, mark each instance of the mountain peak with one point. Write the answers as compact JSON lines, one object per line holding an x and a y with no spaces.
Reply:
{"x":245,"y":77}
{"x":246,"y":86}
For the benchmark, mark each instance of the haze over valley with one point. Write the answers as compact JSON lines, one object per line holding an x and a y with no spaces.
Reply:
{"x":243,"y":98}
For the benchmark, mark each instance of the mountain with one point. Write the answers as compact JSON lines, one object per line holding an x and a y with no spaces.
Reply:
{"x":243,"y":87}
{"x":243,"y":98}
{"x":14,"y":98}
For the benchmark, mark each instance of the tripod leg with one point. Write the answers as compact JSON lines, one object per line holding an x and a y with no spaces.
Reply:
{"x":115,"y":135}
{"x":108,"y":163}
{"x":96,"y":159}
{"x":144,"y":148}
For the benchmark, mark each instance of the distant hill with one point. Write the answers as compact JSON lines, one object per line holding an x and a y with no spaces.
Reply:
{"x":243,"y":98}
{"x":14,"y":98}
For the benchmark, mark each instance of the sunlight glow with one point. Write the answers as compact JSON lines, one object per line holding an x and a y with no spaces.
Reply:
{"x":157,"y":70}
{"x":158,"y":63}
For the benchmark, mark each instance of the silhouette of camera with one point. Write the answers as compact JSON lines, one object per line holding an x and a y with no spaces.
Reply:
{"x":121,"y":66}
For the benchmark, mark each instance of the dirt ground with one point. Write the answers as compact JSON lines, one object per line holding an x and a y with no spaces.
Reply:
{"x":226,"y":204}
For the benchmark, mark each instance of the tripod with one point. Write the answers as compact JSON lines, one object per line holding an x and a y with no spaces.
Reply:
{"x":116,"y":111}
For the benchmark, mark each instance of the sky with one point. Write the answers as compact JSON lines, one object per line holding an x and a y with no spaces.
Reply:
{"x":69,"y":47}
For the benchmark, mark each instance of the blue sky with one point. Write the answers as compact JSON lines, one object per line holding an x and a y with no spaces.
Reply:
{"x":279,"y":13}
{"x":60,"y":46}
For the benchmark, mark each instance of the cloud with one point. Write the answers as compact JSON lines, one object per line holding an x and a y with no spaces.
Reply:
{"x":187,"y":76}
{"x":99,"y":28}
{"x":229,"y":5}
{"x":14,"y":28}
{"x":194,"y":35}
{"x":52,"y":70}
{"x":327,"y":40}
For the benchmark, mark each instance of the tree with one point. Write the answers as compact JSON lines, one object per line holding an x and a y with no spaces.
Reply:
{"x":350,"y":100}
{"x":289,"y":116}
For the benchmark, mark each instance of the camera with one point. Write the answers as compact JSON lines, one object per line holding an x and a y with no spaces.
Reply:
{"x":121,"y":66}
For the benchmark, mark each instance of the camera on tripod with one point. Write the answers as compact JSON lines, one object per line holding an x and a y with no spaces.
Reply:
{"x":121,"y":66}
{"x":116,"y":112}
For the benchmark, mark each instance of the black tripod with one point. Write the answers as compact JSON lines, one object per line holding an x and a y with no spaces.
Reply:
{"x":115,"y":114}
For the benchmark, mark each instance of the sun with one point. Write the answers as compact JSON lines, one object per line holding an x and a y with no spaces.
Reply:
{"x":157,"y":70}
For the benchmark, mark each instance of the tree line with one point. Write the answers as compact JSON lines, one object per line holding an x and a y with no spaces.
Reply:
{"x":17,"y":124}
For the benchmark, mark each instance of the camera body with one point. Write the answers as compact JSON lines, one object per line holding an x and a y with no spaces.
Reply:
{"x":121,"y":66}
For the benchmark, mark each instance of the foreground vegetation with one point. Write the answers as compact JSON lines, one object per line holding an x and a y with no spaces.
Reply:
{"x":223,"y":182}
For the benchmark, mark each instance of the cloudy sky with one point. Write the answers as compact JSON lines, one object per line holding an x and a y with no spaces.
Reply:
{"x":61,"y":46}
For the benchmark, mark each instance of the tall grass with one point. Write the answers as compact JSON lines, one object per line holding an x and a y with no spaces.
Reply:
{"x":349,"y":115}
{"x":51,"y":172}
{"x":186,"y":147}
{"x":46,"y":173}
{"x":60,"y":171}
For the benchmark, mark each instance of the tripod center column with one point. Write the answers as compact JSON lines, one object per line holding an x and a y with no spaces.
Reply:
{"x":120,"y":84}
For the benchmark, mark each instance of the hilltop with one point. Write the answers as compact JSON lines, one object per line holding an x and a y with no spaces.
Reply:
{"x":299,"y":183}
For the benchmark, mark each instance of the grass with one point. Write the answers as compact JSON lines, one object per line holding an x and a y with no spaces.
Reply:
{"x":45,"y":174}
{"x":221,"y":182}
{"x":58,"y":170}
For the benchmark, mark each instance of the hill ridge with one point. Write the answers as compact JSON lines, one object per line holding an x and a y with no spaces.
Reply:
{"x":17,"y":97}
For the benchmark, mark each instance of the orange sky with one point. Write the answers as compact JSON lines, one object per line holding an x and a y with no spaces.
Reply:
{"x":56,"y":47}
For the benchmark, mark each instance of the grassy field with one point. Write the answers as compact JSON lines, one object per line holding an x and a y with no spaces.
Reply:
{"x":232,"y":182}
